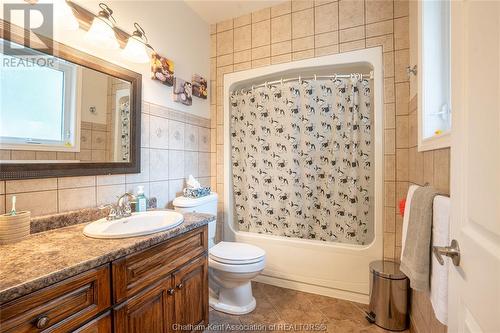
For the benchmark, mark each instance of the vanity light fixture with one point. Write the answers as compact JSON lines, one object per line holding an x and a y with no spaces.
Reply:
{"x":64,"y":14}
{"x":137,"y":45}
{"x":102,"y":31}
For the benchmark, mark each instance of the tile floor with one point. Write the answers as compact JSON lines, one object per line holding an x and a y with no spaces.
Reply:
{"x":277,"y":306}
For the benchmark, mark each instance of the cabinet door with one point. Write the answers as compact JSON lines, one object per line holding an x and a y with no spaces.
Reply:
{"x":191,"y":294}
{"x":102,"y":324}
{"x":149,"y":311}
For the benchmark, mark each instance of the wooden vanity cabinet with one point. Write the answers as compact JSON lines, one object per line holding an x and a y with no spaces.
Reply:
{"x":148,"y":291}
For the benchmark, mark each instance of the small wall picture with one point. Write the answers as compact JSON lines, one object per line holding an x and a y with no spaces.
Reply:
{"x":200,"y":86}
{"x":183,"y":92}
{"x":162,"y":69}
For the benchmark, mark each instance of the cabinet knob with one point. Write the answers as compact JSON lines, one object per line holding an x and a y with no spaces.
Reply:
{"x":41,"y":322}
{"x":180,"y":286}
{"x":171,"y":291}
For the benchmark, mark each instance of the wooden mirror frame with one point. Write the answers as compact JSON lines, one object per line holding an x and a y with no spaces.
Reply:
{"x":13,"y":171}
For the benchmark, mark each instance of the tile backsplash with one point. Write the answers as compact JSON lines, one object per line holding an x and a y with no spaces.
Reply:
{"x":173,"y":145}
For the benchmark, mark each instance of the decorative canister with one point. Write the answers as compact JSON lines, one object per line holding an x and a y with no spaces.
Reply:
{"x":14,"y":228}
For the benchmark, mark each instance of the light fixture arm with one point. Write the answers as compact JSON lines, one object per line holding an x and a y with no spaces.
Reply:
{"x":106,"y":12}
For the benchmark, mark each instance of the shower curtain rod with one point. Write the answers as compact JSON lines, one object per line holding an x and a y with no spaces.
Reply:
{"x":315,"y":77}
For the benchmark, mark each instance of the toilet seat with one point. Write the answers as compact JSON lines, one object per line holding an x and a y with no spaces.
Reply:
{"x":234,"y":253}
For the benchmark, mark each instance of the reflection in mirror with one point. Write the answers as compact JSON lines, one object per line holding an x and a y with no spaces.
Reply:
{"x":55,"y":111}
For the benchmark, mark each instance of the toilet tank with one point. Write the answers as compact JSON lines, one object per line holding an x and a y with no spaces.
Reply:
{"x":207,"y":205}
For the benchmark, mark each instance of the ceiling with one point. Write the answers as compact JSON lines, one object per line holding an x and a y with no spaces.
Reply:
{"x":213,"y":11}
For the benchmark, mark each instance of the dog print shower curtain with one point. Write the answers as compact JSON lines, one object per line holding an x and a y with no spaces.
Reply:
{"x":302,"y":160}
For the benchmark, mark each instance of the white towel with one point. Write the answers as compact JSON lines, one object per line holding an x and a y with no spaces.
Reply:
{"x":406,"y":216}
{"x":439,"y":273}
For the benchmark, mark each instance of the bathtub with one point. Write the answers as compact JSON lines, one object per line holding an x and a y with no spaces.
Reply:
{"x":327,"y":268}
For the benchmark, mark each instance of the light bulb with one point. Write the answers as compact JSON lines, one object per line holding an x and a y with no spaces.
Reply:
{"x":135,"y":51}
{"x":102,"y":34}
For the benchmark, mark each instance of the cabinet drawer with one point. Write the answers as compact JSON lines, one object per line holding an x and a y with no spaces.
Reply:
{"x":139,"y":270}
{"x":60,"y":307}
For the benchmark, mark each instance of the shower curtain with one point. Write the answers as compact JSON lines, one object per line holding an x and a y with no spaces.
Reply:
{"x":302,"y":160}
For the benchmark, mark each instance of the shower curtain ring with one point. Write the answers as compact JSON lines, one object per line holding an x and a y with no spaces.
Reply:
{"x":314,"y":77}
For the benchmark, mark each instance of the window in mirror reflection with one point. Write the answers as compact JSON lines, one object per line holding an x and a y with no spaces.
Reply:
{"x":56,"y":111}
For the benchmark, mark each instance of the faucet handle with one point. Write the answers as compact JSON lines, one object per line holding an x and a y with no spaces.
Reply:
{"x":127,"y":209}
{"x":112,"y":215}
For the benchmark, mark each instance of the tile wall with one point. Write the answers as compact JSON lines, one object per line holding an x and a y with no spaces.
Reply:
{"x":173,"y":146}
{"x":302,"y":29}
{"x":431,"y":167}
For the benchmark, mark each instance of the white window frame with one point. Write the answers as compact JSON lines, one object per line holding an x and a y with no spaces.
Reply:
{"x":425,"y":82}
{"x":71,"y":117}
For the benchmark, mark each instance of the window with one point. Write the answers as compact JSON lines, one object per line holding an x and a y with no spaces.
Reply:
{"x":37,"y":103}
{"x":435,"y":75}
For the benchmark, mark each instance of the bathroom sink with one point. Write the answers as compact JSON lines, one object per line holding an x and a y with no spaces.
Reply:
{"x":138,"y":224}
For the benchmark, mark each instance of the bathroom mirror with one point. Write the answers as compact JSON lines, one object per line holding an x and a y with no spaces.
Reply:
{"x":64,"y":112}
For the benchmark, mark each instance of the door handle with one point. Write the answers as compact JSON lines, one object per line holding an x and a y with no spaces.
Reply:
{"x":452,"y":251}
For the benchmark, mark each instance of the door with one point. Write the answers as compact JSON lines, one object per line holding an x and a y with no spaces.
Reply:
{"x":474,"y":294}
{"x":150,"y":311}
{"x":191,"y":294}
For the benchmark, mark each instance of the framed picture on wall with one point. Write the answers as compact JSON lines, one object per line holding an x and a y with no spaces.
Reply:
{"x":162,"y":69}
{"x":183,"y":92}
{"x":200,"y":86}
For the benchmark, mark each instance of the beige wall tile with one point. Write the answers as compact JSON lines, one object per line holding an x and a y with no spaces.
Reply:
{"x":401,"y":191}
{"x":322,"y":2}
{"x":242,"y":20}
{"x":282,"y":58}
{"x":326,"y":50}
{"x":399,"y":230}
{"x":303,"y":23}
{"x":401,"y":33}
{"x":326,"y":39}
{"x":401,"y":8}
{"x":74,"y":182}
{"x":30,"y":185}
{"x":225,"y":25}
{"x":390,"y":141}
{"x":281,"y":9}
{"x":402,"y":164}
{"x":388,"y":64}
{"x":416,"y":166}
{"x":242,"y":38}
{"x":2,"y":187}
{"x":390,"y":115}
{"x":351,"y":13}
{"x":389,"y":244}
{"x":377,"y":11}
{"x":242,"y":66}
{"x":303,"y":54}
{"x":23,"y":155}
{"x":225,"y":42}
{"x":428,"y":167}
{"x":390,"y":167}
{"x":298,"y":5}
{"x":402,"y":131}
{"x":2,"y":204}
{"x":401,"y":61}
{"x":110,"y":180}
{"x":402,"y":97}
{"x":261,"y":15}
{"x":281,"y":28}
{"x":242,"y":56}
{"x":351,"y":34}
{"x":281,"y":48}
{"x":379,"y":28}
{"x":326,"y":18}
{"x":261,"y":62}
{"x":213,"y":45}
{"x":38,"y":203}
{"x":412,"y":129}
{"x":76,"y":198}
{"x":302,"y":44}
{"x":261,"y":33}
{"x":261,"y":52}
{"x":389,"y":93}
{"x":213,"y":29}
{"x":225,"y":60}
{"x":351,"y":46}
{"x":109,"y":193}
{"x":442,"y":170}
{"x":386,"y":41}
{"x":4,"y":154}
{"x":389,"y":219}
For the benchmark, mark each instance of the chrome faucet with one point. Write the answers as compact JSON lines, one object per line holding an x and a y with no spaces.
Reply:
{"x":120,"y":209}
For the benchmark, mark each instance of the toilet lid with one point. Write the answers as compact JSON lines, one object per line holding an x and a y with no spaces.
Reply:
{"x":236,"y":253}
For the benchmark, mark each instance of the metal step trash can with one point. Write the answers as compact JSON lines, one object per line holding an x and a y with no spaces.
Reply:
{"x":389,"y":292}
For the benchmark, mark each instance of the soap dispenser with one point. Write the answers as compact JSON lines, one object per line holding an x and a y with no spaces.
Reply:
{"x":142,"y":201}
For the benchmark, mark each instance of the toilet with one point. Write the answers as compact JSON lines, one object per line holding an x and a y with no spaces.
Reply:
{"x":231,"y":265}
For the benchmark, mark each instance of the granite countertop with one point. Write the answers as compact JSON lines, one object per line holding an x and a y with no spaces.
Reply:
{"x":48,"y":257}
